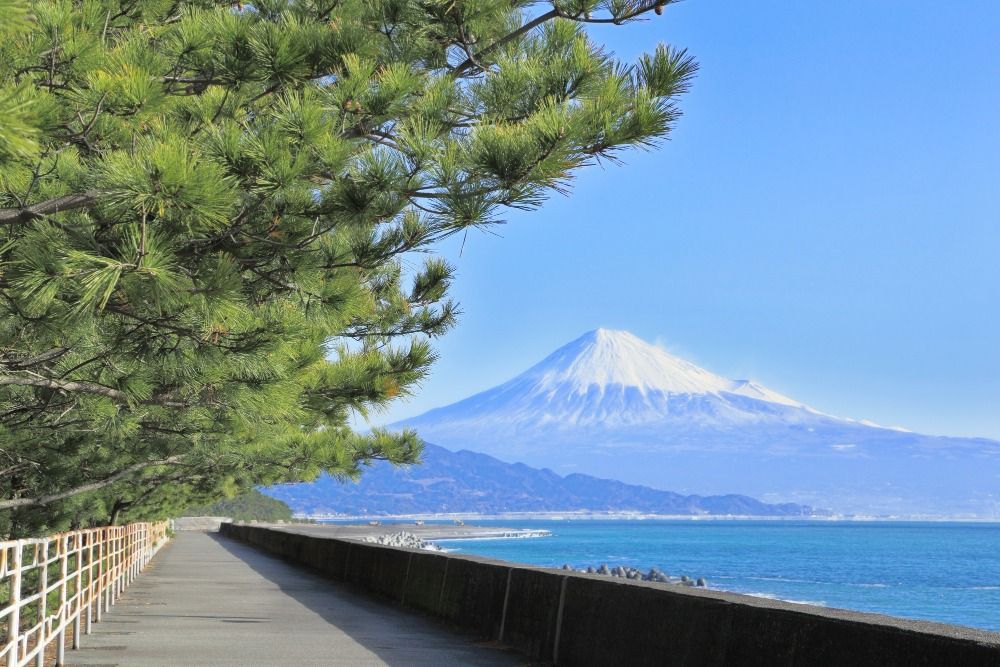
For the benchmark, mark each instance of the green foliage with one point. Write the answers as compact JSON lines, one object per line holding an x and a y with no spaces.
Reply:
{"x":18,"y":128}
{"x":249,"y":506}
{"x":210,"y":215}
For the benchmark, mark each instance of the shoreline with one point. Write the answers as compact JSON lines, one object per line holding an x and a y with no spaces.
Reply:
{"x":429,"y":532}
{"x":333,"y":519}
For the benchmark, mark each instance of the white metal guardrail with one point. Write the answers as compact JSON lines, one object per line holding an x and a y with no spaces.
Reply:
{"x":53,"y":585}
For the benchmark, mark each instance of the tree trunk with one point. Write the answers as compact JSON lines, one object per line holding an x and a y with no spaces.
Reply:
{"x":116,"y":511}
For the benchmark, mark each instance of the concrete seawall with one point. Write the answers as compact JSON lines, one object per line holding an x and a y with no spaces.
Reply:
{"x":578,"y":619}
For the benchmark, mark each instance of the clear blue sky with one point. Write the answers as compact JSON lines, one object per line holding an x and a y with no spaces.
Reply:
{"x":825,"y":219}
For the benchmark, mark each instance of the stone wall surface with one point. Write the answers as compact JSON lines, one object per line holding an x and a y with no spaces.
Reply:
{"x":570,"y":618}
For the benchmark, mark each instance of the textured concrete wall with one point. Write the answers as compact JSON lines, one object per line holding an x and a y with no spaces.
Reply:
{"x":579,"y":619}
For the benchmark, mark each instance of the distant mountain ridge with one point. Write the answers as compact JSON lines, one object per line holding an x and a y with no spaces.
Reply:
{"x":473,"y":483}
{"x":611,"y":405}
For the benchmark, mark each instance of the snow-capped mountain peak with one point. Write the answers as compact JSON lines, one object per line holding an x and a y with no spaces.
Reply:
{"x":605,"y":358}
{"x":607,"y":378}
{"x":609,"y":358}
{"x":610,"y":404}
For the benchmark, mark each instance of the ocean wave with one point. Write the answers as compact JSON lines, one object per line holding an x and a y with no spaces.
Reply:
{"x":815,"y":581}
{"x":772,"y":596}
{"x":487,"y":538}
{"x":787,"y":579}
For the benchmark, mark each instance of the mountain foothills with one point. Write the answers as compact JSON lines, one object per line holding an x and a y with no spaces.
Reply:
{"x":468,"y":482}
{"x":611,"y":405}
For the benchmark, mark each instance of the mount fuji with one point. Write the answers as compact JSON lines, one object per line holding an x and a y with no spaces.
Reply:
{"x":611,"y":405}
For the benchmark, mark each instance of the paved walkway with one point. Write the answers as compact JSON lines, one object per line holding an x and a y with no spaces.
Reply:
{"x":208,"y":600}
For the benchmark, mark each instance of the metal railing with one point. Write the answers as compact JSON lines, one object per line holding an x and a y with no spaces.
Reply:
{"x":63,"y":583}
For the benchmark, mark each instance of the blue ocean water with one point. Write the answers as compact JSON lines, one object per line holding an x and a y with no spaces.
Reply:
{"x":946,"y":572}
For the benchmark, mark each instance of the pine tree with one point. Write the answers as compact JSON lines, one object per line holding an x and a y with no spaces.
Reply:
{"x":210,"y":214}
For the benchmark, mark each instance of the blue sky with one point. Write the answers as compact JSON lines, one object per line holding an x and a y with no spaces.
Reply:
{"x":825,"y":219}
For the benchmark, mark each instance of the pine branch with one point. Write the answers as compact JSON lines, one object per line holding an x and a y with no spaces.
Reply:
{"x":84,"y":488}
{"x":85,"y":388}
{"x":506,"y":39}
{"x":19,"y":364}
{"x":13,"y":216}
{"x":553,"y":13}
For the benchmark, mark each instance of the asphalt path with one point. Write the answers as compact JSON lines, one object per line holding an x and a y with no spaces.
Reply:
{"x":209,"y":600}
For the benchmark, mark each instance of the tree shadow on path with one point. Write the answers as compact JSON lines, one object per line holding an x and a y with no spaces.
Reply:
{"x":397,"y":637}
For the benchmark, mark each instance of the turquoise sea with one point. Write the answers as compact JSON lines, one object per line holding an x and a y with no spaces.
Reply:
{"x":947,"y":572}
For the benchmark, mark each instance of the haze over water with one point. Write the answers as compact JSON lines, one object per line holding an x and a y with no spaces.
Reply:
{"x":945,"y":572}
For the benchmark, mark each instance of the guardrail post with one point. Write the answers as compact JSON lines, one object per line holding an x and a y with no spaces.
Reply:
{"x":128,"y":555}
{"x":42,"y":563}
{"x":112,"y":569}
{"x":123,"y":567}
{"x":99,"y":591}
{"x":123,"y":561}
{"x":64,"y":613}
{"x":80,"y":597}
{"x":90,"y":579}
{"x":14,"y":620}
{"x":119,"y":555}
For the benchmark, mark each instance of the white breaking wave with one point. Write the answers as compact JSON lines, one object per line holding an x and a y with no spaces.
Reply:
{"x":772,"y":596}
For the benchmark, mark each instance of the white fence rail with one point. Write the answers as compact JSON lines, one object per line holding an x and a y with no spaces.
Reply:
{"x":53,"y":585}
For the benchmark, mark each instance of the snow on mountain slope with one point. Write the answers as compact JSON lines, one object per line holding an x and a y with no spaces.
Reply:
{"x":608,"y":359}
{"x":612,"y":405}
{"x":611,"y":378}
{"x":605,"y":358}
